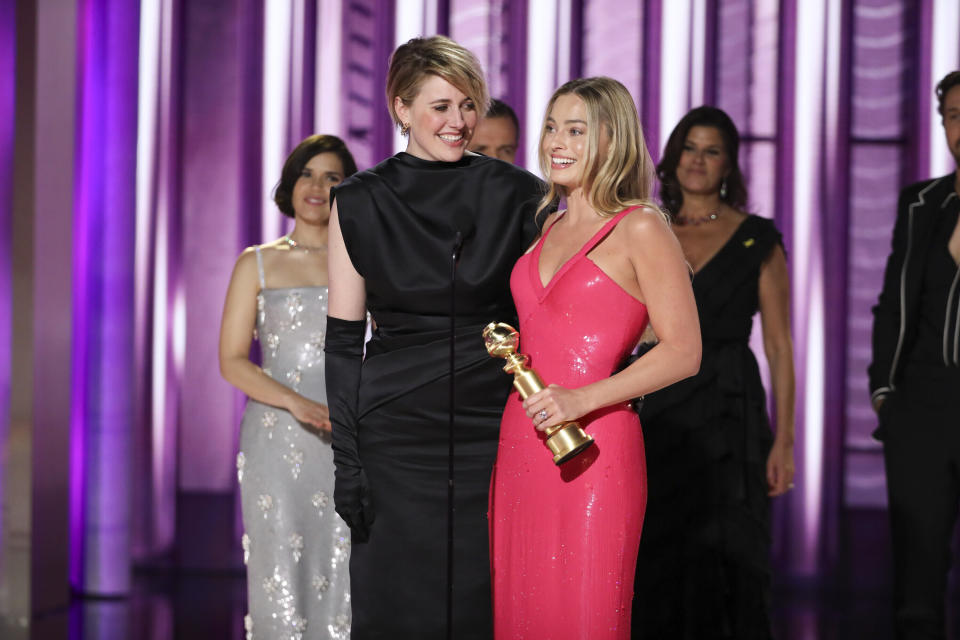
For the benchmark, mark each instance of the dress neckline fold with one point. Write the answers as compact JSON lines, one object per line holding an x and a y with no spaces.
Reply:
{"x":420,"y":163}
{"x":541,"y":288}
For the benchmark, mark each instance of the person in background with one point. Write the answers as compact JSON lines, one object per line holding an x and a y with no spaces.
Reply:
{"x":295,"y":546}
{"x":914,"y":384}
{"x":399,"y":233}
{"x":498,"y":133}
{"x":713,"y":463}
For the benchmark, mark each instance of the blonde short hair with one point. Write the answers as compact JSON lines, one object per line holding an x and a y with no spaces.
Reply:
{"x":624,"y":175}
{"x":440,"y":56}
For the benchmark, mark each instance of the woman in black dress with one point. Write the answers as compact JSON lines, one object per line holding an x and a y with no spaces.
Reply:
{"x":393,"y":232}
{"x":712,"y":461}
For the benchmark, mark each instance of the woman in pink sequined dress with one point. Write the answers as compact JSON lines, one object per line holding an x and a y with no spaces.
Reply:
{"x":564,"y":539}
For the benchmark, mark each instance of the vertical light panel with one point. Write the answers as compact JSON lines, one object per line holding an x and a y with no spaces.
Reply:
{"x":410,"y":21}
{"x":944,"y":58}
{"x":329,"y":76}
{"x":542,"y":60}
{"x":277,"y":78}
{"x":471,"y":24}
{"x":818,"y":41}
{"x":53,"y":155}
{"x":103,"y":289}
{"x":298,"y":48}
{"x":675,"y":59}
{"x":155,"y":219}
{"x":609,"y":49}
{"x":564,"y":33}
{"x":698,"y":52}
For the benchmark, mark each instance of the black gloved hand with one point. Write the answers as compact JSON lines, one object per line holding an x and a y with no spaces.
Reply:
{"x":344,"y":356}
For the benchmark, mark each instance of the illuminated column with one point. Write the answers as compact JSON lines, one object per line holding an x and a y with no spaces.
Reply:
{"x":548,"y":47}
{"x":814,"y":137}
{"x":158,"y":296}
{"x":103,"y":309}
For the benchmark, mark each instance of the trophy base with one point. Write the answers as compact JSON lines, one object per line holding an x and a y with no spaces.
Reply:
{"x":568,"y":441}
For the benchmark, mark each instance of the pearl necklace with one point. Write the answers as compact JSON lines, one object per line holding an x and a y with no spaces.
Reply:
{"x":293,"y":244}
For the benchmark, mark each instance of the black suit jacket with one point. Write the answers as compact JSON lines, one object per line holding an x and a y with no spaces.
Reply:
{"x":896,"y":315}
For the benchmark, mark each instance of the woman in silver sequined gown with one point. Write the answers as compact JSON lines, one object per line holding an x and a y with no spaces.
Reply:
{"x":295,"y":546}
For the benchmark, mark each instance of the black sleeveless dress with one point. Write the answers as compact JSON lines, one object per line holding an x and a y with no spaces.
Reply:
{"x":399,"y":222}
{"x":703,"y":568}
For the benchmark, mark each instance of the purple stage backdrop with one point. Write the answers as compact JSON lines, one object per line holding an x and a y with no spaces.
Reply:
{"x":184,"y":121}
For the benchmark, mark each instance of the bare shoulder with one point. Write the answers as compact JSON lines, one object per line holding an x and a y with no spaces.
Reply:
{"x":645,"y":224}
{"x":246,"y":265}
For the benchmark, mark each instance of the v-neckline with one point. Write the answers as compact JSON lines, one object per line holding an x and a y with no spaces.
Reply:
{"x":728,"y":243}
{"x":565,"y":266}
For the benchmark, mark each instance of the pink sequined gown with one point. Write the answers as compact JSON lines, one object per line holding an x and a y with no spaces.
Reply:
{"x":564,"y":539}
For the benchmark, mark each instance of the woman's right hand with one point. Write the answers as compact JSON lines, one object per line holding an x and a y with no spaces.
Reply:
{"x":309,"y":412}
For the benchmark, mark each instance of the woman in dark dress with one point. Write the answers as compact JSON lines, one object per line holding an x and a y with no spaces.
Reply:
{"x":393,"y":233}
{"x":712,"y":461}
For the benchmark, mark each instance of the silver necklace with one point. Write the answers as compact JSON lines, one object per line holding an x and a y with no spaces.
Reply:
{"x":293,"y":244}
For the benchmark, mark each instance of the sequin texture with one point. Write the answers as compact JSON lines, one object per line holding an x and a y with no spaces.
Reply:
{"x":295,"y":460}
{"x":570,"y":533}
{"x":296,"y":546}
{"x":297,"y":561}
{"x":265,"y":502}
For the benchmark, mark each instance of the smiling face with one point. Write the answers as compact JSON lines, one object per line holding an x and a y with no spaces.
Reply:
{"x":497,"y":138}
{"x":441,"y":118}
{"x":951,"y":122}
{"x":703,"y":162}
{"x":311,"y":191}
{"x":565,"y":141}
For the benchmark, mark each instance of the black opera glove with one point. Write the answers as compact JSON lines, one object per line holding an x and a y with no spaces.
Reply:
{"x":344,"y":356}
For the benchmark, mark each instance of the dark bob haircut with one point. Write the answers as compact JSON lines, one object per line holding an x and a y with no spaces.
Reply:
{"x":949,"y":81}
{"x":298,"y":159}
{"x":670,"y":194}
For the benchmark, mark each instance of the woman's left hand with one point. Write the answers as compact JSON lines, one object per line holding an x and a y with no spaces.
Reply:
{"x":555,"y":405}
{"x":780,"y":469}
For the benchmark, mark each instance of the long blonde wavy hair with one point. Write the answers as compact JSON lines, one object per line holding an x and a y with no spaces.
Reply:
{"x":623,"y":176}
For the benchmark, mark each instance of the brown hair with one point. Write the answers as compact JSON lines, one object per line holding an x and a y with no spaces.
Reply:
{"x":948,"y":82}
{"x":440,"y":56}
{"x":706,"y":116}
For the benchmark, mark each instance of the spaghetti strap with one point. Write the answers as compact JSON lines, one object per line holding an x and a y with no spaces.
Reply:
{"x":605,"y":230}
{"x":263,"y":284}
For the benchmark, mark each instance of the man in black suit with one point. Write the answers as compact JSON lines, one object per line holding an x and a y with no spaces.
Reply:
{"x":915,"y":385}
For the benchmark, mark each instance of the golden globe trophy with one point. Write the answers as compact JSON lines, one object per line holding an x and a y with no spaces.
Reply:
{"x":564,"y":440}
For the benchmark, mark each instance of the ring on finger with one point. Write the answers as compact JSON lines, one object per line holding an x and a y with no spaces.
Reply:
{"x":542,"y":414}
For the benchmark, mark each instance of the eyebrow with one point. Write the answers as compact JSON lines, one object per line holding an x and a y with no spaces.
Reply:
{"x":448,"y":100}
{"x":568,"y":121}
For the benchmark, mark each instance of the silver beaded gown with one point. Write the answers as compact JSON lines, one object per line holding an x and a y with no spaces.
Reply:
{"x":296,"y":548}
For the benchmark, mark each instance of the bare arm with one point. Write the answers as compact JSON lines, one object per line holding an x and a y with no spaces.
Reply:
{"x":774,"y":295}
{"x":661,"y":272}
{"x":348,"y":291}
{"x":236,"y":330}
